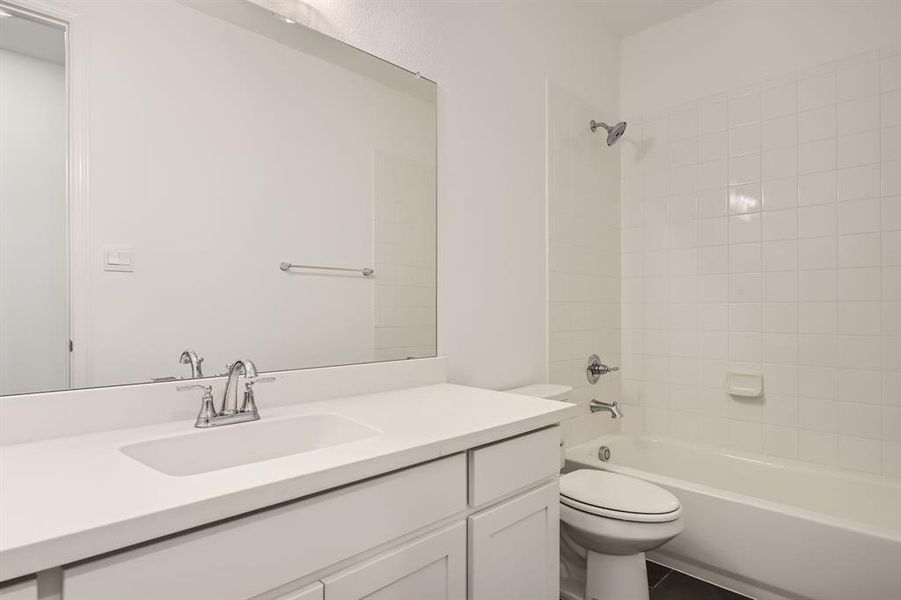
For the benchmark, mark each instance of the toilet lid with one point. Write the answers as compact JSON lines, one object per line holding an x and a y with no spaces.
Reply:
{"x":617,"y":496}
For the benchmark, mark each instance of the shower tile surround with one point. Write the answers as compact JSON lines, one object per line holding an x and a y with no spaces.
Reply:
{"x":761,"y":233}
{"x":583,"y":257}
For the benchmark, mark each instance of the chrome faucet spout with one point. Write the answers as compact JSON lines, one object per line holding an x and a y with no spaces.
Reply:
{"x":230,"y":398}
{"x":189,"y":357}
{"x":611,"y":407}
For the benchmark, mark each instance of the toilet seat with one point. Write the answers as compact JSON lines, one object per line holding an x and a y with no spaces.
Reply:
{"x":616,"y":496}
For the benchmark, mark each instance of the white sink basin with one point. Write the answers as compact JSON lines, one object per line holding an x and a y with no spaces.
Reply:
{"x":204,"y":450}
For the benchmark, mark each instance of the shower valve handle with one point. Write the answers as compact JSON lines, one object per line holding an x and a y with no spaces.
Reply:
{"x":596,"y":368}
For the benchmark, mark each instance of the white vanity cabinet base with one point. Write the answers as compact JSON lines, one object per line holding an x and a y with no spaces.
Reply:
{"x":514,"y":548}
{"x":432,"y":567}
{"x":251,"y":555}
{"x":21,"y":590}
{"x":415,"y":534}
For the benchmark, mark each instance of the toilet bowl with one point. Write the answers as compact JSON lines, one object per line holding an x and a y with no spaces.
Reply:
{"x":611,"y":520}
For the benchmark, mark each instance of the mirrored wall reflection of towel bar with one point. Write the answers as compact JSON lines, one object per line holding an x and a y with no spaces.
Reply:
{"x":286,"y":266}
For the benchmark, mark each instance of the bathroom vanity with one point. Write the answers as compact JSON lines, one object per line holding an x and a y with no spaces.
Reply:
{"x":453,"y":494}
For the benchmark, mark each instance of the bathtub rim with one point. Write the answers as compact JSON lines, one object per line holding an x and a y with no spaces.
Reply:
{"x":727,"y":495}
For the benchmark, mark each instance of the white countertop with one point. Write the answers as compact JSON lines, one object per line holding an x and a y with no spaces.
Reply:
{"x":71,"y":498}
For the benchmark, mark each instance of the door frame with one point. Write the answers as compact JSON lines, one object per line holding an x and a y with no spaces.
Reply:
{"x":74,"y":27}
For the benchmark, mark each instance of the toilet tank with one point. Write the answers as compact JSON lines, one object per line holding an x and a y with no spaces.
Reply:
{"x":551,"y":391}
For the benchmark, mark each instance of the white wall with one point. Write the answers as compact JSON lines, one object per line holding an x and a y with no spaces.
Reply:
{"x":491,"y":61}
{"x":33,"y":282}
{"x":760,"y":229}
{"x":731,"y":43}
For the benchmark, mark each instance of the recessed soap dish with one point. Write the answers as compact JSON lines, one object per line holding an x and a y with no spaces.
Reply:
{"x":747,"y":385}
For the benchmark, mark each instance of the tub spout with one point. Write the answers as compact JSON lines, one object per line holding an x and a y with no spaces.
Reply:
{"x":611,"y":407}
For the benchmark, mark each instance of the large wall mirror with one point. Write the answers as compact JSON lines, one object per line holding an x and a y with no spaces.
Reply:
{"x":243,"y":186}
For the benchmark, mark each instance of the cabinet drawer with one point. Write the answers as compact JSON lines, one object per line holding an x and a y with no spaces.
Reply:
{"x":513,"y":464}
{"x":247,"y":556}
{"x":432,"y":566}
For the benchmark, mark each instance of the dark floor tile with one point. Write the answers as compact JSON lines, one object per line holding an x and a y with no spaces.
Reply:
{"x":678,"y":586}
{"x":656,"y":573}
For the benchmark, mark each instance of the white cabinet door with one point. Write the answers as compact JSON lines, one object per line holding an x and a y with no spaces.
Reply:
{"x":514,"y":548}
{"x":432,"y":567}
{"x":22,"y":590}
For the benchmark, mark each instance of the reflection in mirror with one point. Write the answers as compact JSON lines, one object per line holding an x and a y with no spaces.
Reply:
{"x":34,"y":311}
{"x":232,"y":144}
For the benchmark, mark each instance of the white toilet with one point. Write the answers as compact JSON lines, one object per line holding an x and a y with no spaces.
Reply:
{"x":615,"y":519}
{"x":608,"y":521}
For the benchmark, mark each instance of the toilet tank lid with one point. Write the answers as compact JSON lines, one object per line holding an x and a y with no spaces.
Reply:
{"x":542,"y":390}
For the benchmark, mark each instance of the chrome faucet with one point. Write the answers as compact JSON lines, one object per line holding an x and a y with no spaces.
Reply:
{"x":611,"y":407}
{"x":230,"y":399}
{"x":229,"y":412}
{"x":189,"y":357}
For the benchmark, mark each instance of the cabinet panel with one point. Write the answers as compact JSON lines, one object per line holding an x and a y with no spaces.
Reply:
{"x":21,"y":590}
{"x":432,"y":567}
{"x":514,"y":464}
{"x":514,"y":548}
{"x":247,"y":556}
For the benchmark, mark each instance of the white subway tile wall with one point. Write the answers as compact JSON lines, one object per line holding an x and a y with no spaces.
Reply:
{"x":584,"y":254}
{"x":761,"y":233}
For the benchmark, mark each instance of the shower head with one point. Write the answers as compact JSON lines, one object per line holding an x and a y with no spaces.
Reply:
{"x":613,"y":133}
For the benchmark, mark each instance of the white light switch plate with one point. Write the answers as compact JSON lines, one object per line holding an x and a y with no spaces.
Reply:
{"x":118,"y":259}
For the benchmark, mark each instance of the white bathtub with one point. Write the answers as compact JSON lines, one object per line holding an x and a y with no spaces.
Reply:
{"x":768,"y":528}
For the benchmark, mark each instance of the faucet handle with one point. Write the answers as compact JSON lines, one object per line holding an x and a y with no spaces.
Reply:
{"x":207,"y":409}
{"x":596,"y":368}
{"x":249,"y":404}
{"x":207,"y":389}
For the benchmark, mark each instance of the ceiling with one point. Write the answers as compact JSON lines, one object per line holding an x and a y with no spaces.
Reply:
{"x":625,"y":17}
{"x":619,"y":17}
